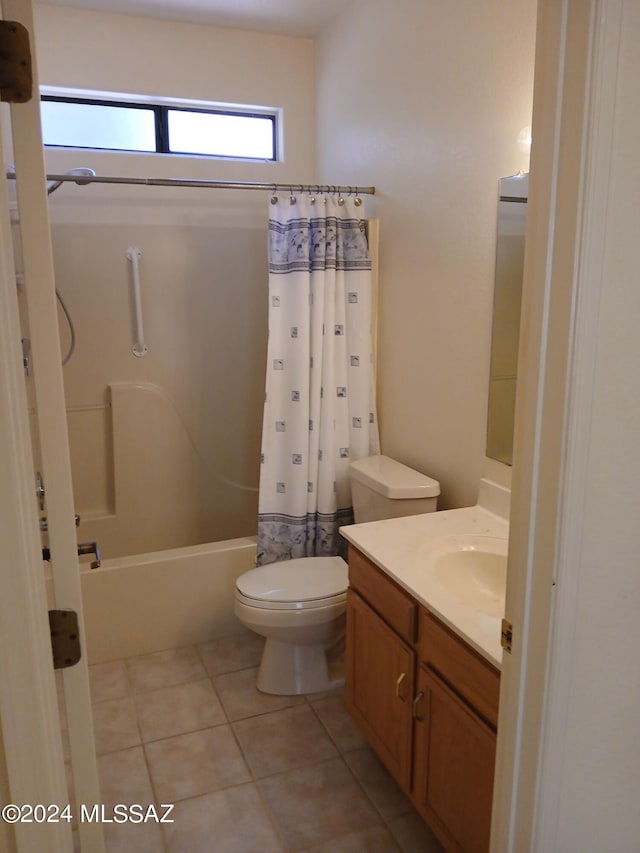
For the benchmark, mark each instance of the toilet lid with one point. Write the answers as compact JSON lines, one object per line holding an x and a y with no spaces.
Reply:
{"x":304,"y":579}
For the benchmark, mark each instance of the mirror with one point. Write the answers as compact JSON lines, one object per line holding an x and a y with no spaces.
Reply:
{"x":505,"y":332}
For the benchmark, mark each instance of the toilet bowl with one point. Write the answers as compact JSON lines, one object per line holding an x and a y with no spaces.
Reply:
{"x":299,"y":605}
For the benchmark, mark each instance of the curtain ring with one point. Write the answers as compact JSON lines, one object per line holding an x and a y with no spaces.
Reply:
{"x":340,"y":199}
{"x":274,"y":197}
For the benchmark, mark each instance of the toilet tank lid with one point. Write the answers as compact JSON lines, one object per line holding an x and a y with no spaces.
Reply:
{"x":393,"y":479}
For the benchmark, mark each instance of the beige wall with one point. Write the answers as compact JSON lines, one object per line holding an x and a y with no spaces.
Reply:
{"x":425,"y":99}
{"x":186,"y":455}
{"x":154,"y":57}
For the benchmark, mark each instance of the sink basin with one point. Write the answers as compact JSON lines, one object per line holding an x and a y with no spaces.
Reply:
{"x":473,"y":569}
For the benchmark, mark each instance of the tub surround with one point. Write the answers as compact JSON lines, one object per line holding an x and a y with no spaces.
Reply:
{"x":400,"y":547}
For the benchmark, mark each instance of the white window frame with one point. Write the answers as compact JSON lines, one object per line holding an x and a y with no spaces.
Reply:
{"x":100,"y":97}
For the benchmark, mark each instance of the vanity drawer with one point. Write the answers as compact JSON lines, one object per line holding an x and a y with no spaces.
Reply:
{"x":471,"y":675}
{"x":389,"y":600}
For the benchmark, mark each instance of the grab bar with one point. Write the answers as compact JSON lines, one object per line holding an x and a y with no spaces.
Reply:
{"x":134,"y":254}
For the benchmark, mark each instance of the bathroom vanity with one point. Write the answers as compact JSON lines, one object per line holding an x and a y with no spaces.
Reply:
{"x":423,"y":661}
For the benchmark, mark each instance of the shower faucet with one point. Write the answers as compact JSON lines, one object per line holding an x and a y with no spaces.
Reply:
{"x":83,"y":548}
{"x":44,"y":525}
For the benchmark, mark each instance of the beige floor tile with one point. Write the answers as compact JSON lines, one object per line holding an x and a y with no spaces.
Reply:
{"x":334,"y":717}
{"x":133,"y":838}
{"x":124,"y":778}
{"x":413,"y":835}
{"x":229,"y":821}
{"x":380,"y":787}
{"x":164,"y":669}
{"x":283,"y":740}
{"x":229,"y":654}
{"x":108,"y":680}
{"x":312,"y":807}
{"x":179,"y":709}
{"x":241,"y":698}
{"x":115,"y":725}
{"x":314,"y":804}
{"x":196,"y":763}
{"x":375,"y":840}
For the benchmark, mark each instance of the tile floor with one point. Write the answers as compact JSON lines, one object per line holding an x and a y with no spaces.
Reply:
{"x":248,"y":772}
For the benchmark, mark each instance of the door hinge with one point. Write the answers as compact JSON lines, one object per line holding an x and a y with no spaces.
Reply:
{"x":65,"y":638}
{"x":16,"y":78}
{"x":506,"y":635}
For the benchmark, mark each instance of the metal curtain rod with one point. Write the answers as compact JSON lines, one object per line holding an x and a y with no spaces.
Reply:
{"x":221,"y":185}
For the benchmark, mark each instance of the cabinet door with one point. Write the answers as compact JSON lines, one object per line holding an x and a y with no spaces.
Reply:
{"x":379,"y":686}
{"x":454,"y":766}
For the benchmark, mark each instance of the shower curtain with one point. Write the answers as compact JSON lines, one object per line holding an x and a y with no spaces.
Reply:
{"x":319,"y":411}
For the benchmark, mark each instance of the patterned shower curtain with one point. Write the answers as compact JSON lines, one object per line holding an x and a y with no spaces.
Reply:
{"x":319,"y":411}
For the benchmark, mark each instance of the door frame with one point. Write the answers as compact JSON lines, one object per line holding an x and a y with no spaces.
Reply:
{"x":28,"y":571}
{"x":28,"y":700}
{"x":575,"y":95}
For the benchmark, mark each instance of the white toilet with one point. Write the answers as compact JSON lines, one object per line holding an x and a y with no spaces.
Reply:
{"x":299,"y":605}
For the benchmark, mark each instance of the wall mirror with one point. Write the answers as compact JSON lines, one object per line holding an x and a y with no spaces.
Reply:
{"x":505,"y":332}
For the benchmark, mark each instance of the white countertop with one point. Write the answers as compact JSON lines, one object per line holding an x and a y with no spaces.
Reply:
{"x":399,"y":546}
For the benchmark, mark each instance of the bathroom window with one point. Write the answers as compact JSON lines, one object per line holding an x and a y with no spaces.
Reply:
{"x":157,"y":128}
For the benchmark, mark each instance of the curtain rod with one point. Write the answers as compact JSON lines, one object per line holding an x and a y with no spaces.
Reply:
{"x":225,"y":185}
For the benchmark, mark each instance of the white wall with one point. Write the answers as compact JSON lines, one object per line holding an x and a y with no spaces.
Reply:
{"x":203,"y":276}
{"x":425,"y":100}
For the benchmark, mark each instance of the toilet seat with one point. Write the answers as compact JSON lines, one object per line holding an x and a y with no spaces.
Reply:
{"x":297,"y":584}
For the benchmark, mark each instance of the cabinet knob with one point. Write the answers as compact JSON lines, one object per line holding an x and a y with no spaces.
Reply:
{"x":399,"y":681}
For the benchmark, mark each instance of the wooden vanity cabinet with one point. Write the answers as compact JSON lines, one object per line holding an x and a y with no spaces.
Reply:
{"x":380,"y":665}
{"x":379,"y":687}
{"x":454,"y":756}
{"x":426,"y":702}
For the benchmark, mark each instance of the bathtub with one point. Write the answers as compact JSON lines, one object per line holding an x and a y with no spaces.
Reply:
{"x":163,"y":599}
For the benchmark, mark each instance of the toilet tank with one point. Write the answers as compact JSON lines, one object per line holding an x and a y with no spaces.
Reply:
{"x":383,"y":488}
